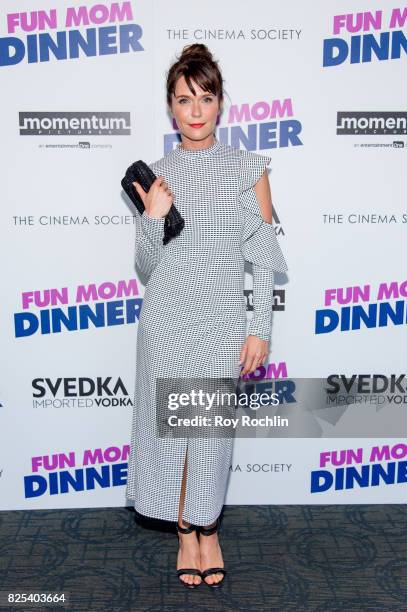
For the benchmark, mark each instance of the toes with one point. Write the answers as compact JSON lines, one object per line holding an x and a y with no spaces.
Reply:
{"x":190,"y":578}
{"x":214,"y":578}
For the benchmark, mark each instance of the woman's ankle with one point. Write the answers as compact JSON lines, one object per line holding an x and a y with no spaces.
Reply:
{"x":209,"y":526}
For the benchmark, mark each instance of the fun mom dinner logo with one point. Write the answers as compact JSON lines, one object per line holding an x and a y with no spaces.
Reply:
{"x":258,"y":125}
{"x":353,"y":468}
{"x":352,"y":308}
{"x":29,"y":40}
{"x":364,"y":37}
{"x":71,"y":471}
{"x":50,"y":311}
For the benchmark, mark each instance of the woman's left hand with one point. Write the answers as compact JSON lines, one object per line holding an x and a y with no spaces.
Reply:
{"x":253,"y":354}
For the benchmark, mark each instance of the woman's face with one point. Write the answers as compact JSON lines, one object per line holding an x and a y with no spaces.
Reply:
{"x":195,"y":114}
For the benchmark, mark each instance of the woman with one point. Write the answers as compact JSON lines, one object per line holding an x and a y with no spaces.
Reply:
{"x":193,"y":318}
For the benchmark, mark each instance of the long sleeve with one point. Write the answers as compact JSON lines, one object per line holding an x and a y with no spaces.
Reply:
{"x":263,"y":287}
{"x":259,"y":246}
{"x":149,"y":246}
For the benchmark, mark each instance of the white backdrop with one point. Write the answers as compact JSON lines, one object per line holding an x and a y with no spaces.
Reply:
{"x":66,"y":223}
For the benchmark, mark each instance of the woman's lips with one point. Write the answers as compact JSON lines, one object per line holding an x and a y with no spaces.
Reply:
{"x":196,"y":125}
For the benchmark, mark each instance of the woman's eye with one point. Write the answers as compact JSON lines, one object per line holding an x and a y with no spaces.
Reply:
{"x":206,"y":99}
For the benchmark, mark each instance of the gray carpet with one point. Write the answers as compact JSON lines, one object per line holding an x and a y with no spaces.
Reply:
{"x":288,"y":558}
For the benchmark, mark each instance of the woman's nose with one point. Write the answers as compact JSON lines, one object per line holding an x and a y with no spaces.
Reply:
{"x":196,"y":109}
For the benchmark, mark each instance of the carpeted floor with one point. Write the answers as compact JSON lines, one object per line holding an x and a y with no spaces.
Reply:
{"x":288,"y":558}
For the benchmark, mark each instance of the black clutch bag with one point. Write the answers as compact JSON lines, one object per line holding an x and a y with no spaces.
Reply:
{"x":140,"y":172}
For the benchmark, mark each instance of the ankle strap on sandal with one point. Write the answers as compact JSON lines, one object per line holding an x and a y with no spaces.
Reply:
{"x":189,"y":529}
{"x":209,"y":530}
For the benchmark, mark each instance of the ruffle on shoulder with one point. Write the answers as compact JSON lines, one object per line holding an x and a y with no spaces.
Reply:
{"x":252,"y":166}
{"x":259,"y":240}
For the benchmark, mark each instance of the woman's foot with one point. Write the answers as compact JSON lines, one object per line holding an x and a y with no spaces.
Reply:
{"x":188,"y":554}
{"x":211,"y":555}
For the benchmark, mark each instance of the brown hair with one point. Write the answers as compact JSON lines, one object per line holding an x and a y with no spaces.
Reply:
{"x":196,"y":62}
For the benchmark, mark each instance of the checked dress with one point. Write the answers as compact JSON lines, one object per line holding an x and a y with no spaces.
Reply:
{"x":193,"y":317}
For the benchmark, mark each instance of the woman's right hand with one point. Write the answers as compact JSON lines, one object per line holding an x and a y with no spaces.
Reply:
{"x":157,"y":202}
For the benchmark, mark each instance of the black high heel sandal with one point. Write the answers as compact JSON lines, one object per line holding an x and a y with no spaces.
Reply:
{"x":212,"y":570}
{"x":188,"y":570}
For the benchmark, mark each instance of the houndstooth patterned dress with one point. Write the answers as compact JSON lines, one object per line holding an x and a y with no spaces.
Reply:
{"x":193,"y":318}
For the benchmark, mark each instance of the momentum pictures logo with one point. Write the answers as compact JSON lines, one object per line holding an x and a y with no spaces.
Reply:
{"x":371,"y":123}
{"x":74,"y":123}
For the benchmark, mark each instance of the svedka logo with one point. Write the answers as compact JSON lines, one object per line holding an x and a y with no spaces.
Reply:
{"x":74,"y":124}
{"x":79,"y":392}
{"x":371,"y":122}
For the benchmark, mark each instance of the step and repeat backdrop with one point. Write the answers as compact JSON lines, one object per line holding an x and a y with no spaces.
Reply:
{"x":320,"y":89}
